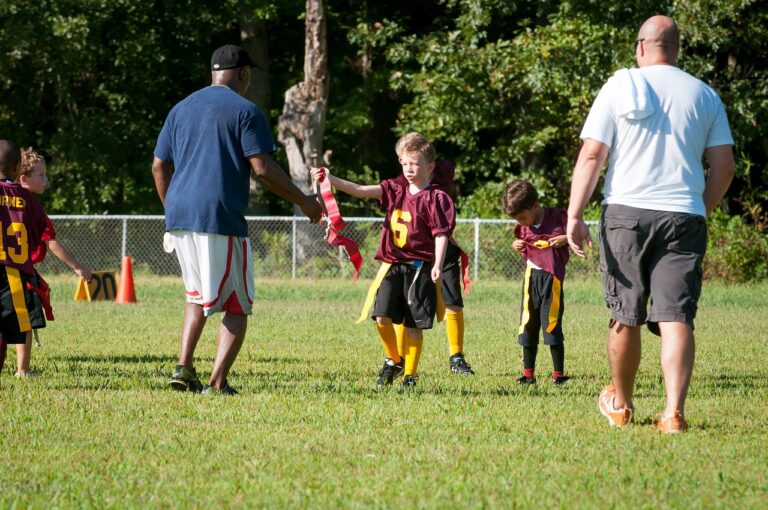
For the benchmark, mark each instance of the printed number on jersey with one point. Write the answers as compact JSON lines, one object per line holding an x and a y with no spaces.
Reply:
{"x":16,"y":233}
{"x":399,"y":225}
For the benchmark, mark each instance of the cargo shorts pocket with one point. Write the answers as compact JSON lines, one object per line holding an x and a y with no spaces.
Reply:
{"x":610,"y":291}
{"x":622,"y":233}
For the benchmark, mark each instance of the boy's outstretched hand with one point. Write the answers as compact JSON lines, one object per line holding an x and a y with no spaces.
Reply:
{"x":319,"y":174}
{"x":83,"y":272}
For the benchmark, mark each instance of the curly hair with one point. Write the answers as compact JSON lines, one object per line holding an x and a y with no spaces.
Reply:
{"x":415,"y":143}
{"x":29,"y":158}
{"x":520,"y":195}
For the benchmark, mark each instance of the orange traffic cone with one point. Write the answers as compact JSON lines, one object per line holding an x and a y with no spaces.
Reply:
{"x":126,"y":293}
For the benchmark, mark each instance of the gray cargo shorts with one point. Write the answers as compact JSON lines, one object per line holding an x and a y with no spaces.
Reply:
{"x":651,"y":254}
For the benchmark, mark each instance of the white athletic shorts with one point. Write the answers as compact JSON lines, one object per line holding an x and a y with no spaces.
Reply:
{"x":217,"y":270}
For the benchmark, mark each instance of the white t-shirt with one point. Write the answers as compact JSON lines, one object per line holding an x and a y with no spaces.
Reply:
{"x":655,"y":162}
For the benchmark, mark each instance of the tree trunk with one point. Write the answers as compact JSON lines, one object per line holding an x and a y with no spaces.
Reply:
{"x":302,"y":125}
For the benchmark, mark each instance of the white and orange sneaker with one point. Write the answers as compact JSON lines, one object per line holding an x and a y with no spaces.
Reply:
{"x":616,"y":417}
{"x":674,"y":424}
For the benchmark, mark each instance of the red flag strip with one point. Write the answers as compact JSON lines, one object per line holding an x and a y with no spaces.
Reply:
{"x":336,"y":223}
{"x":465,"y":271}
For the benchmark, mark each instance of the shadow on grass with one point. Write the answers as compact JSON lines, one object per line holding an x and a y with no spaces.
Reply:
{"x":165,"y":358}
{"x":728,"y":383}
{"x":142,"y":358}
{"x":697,"y":426}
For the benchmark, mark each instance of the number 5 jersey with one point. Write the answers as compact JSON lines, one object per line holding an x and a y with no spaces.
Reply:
{"x":413,"y":221}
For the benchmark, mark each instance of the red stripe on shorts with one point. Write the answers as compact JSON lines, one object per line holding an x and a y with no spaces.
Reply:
{"x":226,"y":275}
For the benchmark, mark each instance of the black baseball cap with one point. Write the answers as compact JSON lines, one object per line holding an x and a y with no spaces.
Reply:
{"x":230,"y":56}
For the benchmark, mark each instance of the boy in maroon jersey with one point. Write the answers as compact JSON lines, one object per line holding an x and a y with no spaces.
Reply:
{"x":22,"y":221}
{"x":33,"y":177}
{"x":414,"y":238}
{"x":542,"y":241}
{"x":442,"y":179}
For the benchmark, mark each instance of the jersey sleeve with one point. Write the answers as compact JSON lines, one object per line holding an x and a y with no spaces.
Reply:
{"x":39,"y":252}
{"x":600,"y":124}
{"x":164,"y":147}
{"x":443,"y":217}
{"x":720,"y":132}
{"x":388,"y":191}
{"x":48,"y":232}
{"x":256,"y":138}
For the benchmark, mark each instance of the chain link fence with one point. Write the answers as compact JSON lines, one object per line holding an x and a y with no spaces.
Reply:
{"x":284,"y":247}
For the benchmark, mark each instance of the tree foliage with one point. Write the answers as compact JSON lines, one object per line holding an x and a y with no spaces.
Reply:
{"x":501,"y":87}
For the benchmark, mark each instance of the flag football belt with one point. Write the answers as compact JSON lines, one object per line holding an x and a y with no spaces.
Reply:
{"x":464,"y":267}
{"x":373,"y":289}
{"x":44,"y":293}
{"x":334,"y":224}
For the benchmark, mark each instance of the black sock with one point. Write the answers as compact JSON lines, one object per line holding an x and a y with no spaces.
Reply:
{"x":3,"y":350}
{"x":529,"y":357}
{"x":558,"y":357}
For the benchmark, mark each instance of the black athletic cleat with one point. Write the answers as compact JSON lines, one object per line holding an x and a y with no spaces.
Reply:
{"x":389,"y":372}
{"x":185,"y":379}
{"x":527,"y":380}
{"x":408,"y":381}
{"x":459,"y":365}
{"x":226,"y":389}
{"x":560,"y":379}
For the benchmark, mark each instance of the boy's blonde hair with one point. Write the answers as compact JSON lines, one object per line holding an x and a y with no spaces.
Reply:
{"x":29,"y":158}
{"x":415,"y":143}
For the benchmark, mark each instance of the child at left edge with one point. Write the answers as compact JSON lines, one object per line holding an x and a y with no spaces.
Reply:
{"x":414,"y":239}
{"x":20,"y":213}
{"x":32,"y":176}
{"x":541,"y":240}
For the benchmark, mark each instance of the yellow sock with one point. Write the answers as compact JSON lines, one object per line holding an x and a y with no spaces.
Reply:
{"x":454,"y":326}
{"x":388,"y":340}
{"x":400,"y":332}
{"x":412,"y":354}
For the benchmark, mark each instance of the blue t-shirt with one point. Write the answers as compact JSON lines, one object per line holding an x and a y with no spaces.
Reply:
{"x":208,"y":137}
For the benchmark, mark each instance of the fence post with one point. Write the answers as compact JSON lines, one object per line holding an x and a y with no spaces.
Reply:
{"x":293,"y":248}
{"x":477,"y":246}
{"x":125,"y":238}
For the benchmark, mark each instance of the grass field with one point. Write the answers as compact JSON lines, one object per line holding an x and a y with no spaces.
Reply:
{"x":101,"y":428}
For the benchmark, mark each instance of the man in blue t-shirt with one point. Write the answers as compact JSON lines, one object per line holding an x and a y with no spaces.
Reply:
{"x":208,"y":146}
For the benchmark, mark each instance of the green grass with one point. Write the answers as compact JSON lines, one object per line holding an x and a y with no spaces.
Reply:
{"x":101,"y":428}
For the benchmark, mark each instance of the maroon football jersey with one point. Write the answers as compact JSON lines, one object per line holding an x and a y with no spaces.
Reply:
{"x":22,"y":222}
{"x":442,"y":176}
{"x":38,"y":255}
{"x":551,"y":260}
{"x":413,"y":221}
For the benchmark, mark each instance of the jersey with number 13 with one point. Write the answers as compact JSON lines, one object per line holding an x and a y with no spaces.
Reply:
{"x":413,"y":221}
{"x":22,"y":221}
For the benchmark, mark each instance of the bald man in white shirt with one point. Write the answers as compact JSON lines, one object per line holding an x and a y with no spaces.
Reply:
{"x":652,"y":125}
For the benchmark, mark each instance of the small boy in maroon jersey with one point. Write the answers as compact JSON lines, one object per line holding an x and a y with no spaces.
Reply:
{"x":22,"y":221}
{"x":442,"y":178}
{"x":414,"y":238}
{"x":541,"y":240}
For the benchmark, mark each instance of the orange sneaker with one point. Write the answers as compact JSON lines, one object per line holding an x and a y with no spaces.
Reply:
{"x":616,"y":417}
{"x":671,"y":424}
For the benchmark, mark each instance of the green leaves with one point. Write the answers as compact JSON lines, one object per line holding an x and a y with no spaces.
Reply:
{"x":501,"y":87}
